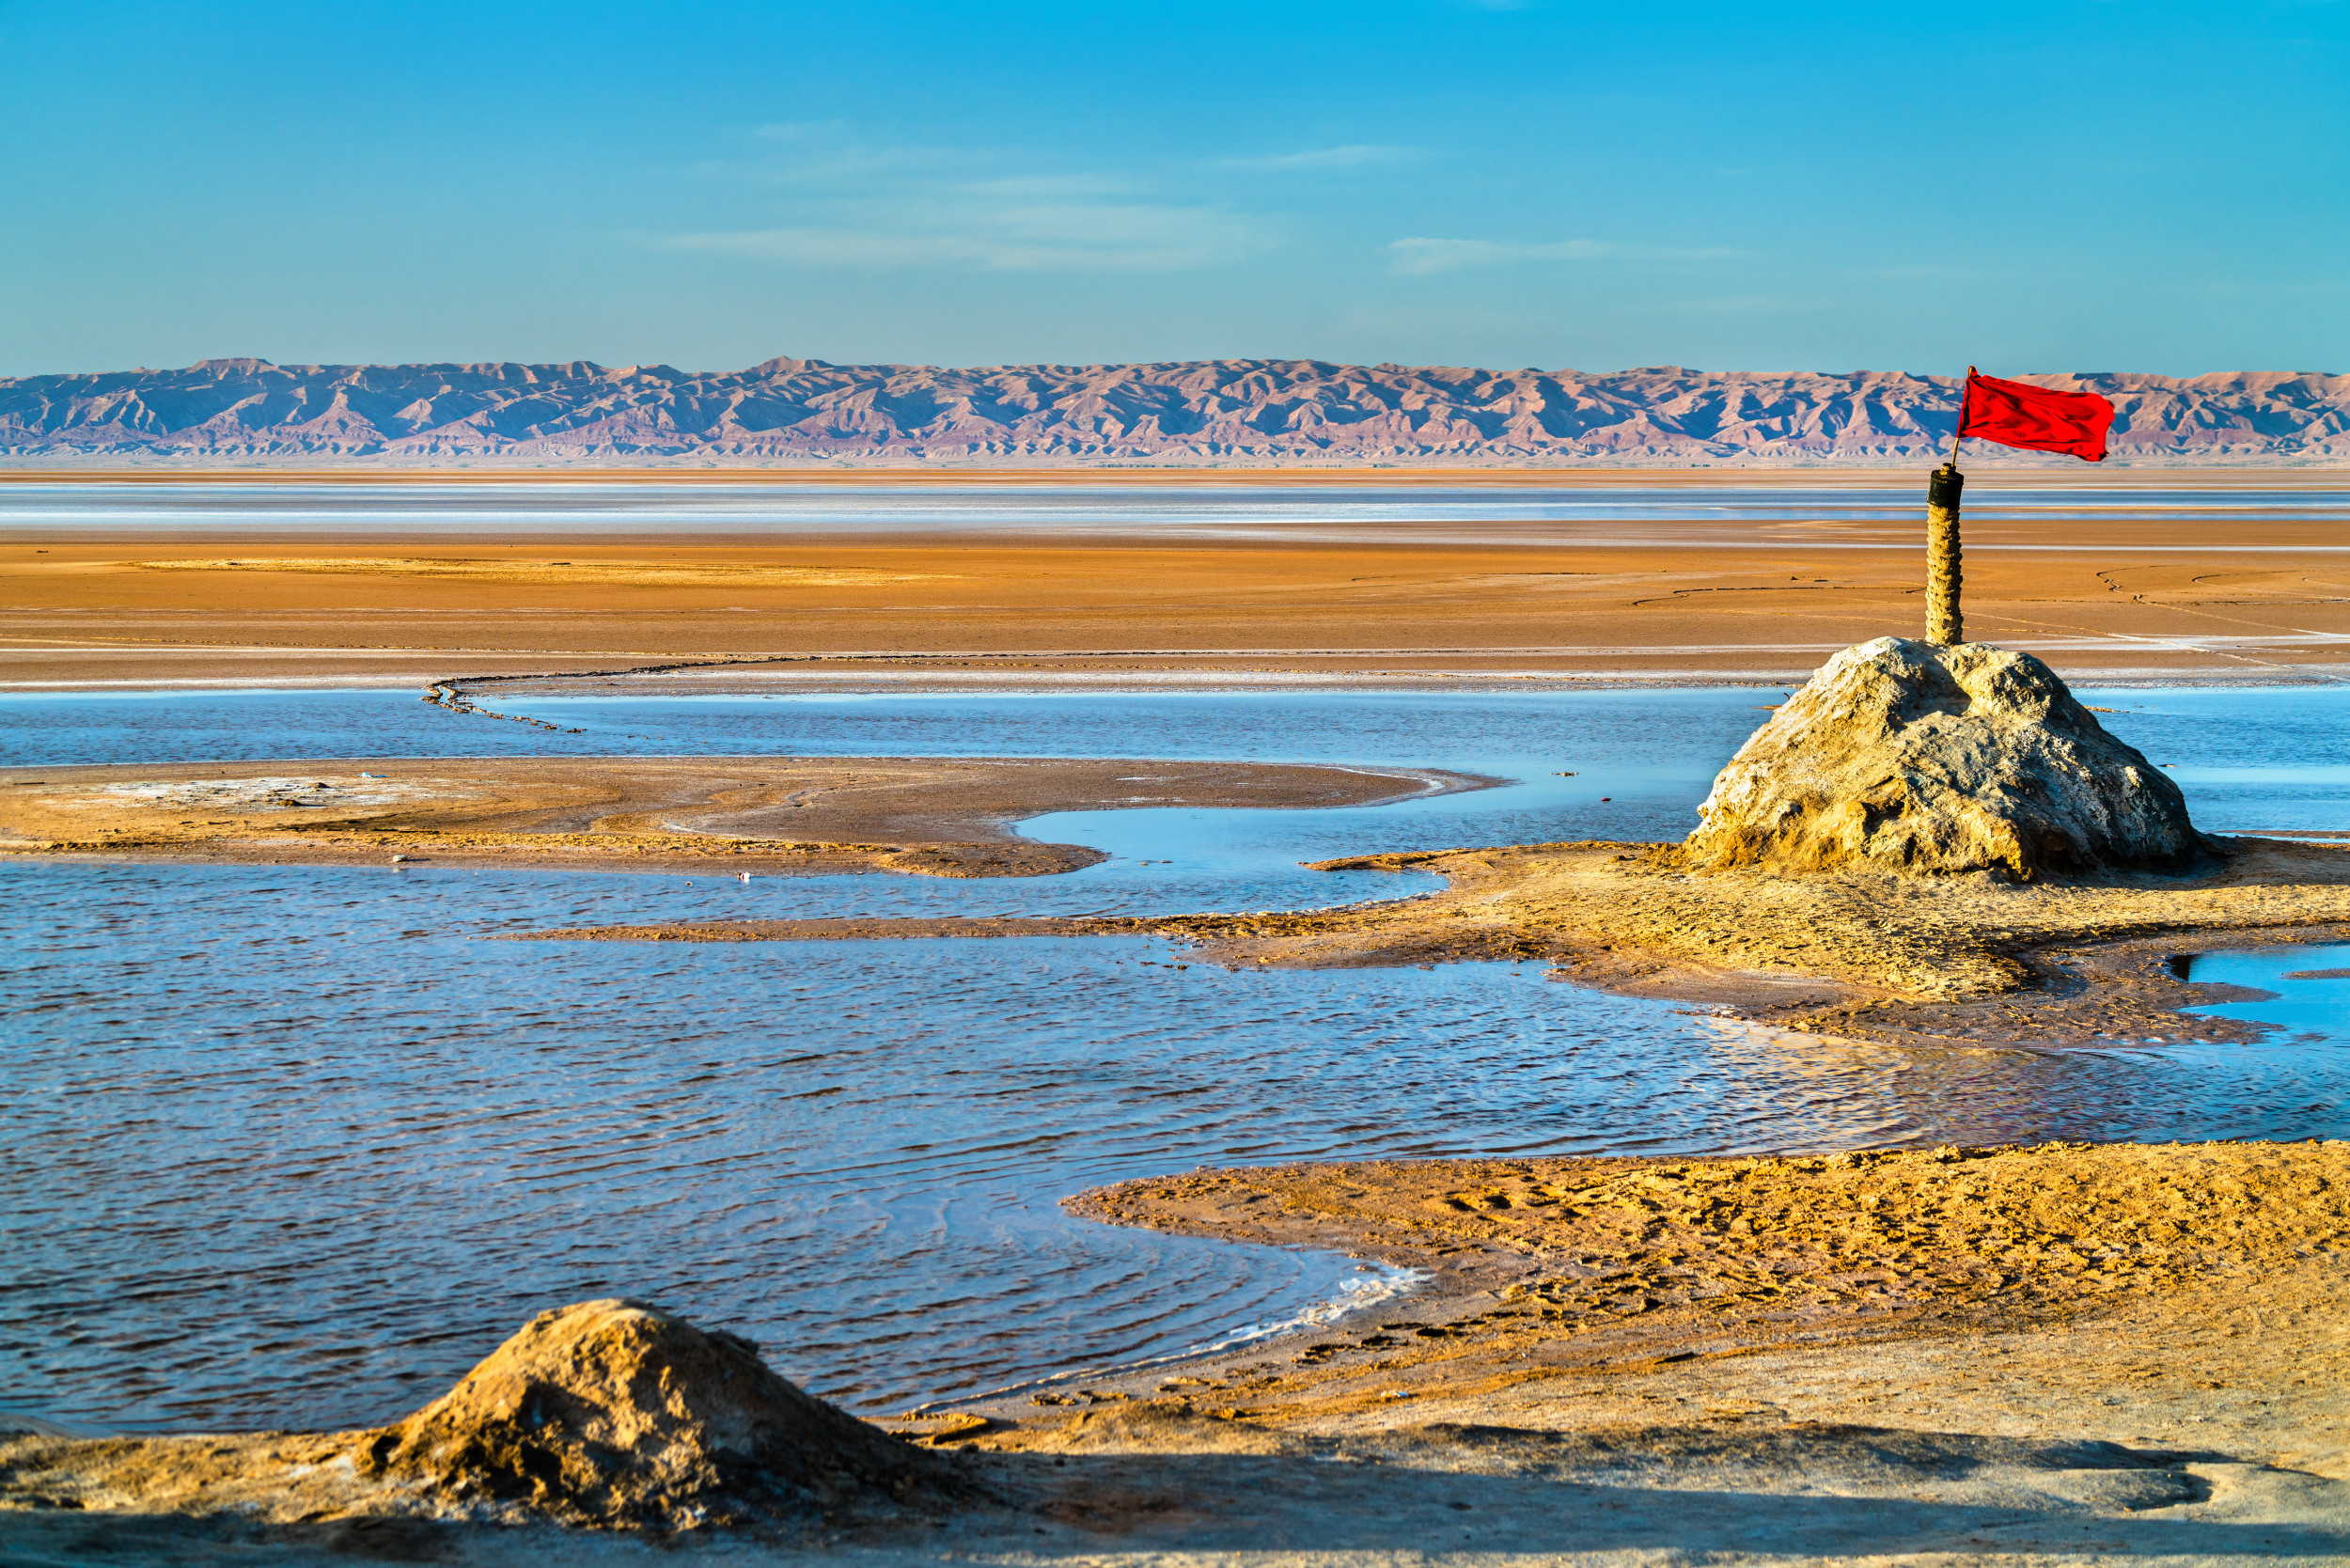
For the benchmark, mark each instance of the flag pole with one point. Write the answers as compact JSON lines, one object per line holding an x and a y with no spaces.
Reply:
{"x":1958,"y":430}
{"x":1945,"y":621}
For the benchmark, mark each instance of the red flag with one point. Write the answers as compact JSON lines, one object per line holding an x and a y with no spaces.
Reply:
{"x":2018,"y":414}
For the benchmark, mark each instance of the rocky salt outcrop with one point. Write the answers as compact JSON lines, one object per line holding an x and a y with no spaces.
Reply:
{"x":1913,"y":758}
{"x":614,"y":1412}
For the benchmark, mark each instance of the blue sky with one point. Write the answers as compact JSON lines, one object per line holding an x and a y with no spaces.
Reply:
{"x":2075,"y":184}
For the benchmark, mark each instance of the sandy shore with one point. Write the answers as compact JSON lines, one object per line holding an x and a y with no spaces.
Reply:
{"x":765,"y":816}
{"x":1547,"y":1271}
{"x":2067,"y":1354}
{"x":2116,"y":586}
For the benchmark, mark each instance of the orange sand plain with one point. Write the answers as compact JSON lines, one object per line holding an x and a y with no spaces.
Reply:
{"x":1699,"y":600}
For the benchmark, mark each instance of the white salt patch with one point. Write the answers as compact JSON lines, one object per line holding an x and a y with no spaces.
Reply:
{"x":247,"y":795}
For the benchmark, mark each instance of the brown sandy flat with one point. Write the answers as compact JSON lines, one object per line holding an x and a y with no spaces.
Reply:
{"x":1556,"y":1280}
{"x":769,"y":816}
{"x":2175,"y":1301}
{"x":2108,"y":586}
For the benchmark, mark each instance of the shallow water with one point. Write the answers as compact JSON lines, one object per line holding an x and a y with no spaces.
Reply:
{"x":2310,"y":1004}
{"x":295,"y":1145}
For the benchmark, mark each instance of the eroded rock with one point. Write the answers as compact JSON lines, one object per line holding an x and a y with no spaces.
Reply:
{"x":617,"y":1413}
{"x":1911,"y":757}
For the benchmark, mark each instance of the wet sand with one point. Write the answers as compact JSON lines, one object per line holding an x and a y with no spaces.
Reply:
{"x":2174,"y":1297}
{"x":2111,"y":588}
{"x":765,"y":816}
{"x":2067,"y":1353}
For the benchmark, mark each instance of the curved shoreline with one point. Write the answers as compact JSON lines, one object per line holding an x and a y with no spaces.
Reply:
{"x":747,"y":814}
{"x":1970,"y":1351}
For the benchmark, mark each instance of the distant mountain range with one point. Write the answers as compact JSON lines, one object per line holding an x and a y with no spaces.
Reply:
{"x":1225,"y":411}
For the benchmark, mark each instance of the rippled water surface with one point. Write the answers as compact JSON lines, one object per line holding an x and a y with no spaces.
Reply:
{"x":295,"y":1145}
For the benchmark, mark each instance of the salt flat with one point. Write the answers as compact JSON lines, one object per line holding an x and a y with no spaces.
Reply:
{"x":1349,"y":579}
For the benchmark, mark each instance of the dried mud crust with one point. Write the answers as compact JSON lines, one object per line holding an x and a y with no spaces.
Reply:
{"x":1970,"y":958}
{"x":775,"y":816}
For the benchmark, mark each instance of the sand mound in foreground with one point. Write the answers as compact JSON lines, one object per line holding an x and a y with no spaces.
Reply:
{"x":1912,"y":757}
{"x":617,"y":1413}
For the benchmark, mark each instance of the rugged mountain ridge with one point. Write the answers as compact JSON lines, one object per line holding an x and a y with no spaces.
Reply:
{"x":1223,"y":411}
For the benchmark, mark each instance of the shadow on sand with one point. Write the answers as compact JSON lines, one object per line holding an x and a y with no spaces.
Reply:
{"x":1791,"y":1494}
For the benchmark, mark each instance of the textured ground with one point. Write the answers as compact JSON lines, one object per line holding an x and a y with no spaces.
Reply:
{"x":769,"y":816}
{"x":2114,"y":585}
{"x":1548,"y":1269}
{"x":2070,"y":1354}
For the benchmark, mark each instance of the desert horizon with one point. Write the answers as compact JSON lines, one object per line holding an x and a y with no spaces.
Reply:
{"x":1145,"y":884}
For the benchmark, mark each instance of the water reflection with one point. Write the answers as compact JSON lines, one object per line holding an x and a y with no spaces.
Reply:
{"x":292,"y":1146}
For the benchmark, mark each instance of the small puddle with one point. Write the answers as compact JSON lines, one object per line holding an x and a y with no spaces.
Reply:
{"x":2309,"y":989}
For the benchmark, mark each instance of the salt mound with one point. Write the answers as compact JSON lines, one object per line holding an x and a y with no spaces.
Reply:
{"x":617,"y":1413}
{"x":1913,"y":757}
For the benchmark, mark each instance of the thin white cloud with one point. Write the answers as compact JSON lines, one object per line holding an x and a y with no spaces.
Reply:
{"x":1419,"y":257}
{"x":1352,"y":156}
{"x":1034,"y":236}
{"x":824,"y":152}
{"x":800,"y":130}
{"x":838,"y":202}
{"x":1051,"y":185}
